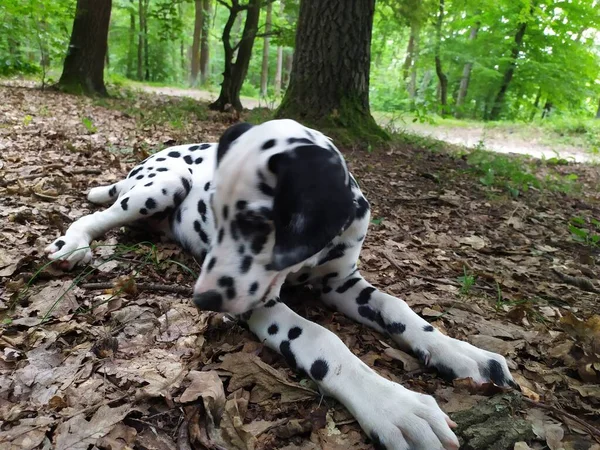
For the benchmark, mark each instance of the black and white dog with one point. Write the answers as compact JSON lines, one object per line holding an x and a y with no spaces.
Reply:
{"x":275,"y":203}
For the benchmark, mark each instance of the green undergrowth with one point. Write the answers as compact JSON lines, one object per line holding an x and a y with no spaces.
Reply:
{"x":517,"y":175}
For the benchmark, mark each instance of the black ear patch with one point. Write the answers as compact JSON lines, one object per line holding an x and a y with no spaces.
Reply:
{"x":230,"y":135}
{"x":312,"y":203}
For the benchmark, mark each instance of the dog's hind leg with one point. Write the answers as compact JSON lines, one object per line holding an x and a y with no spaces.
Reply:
{"x":102,"y":195}
{"x":391,"y":415}
{"x":153,"y":199}
{"x":358,"y":299}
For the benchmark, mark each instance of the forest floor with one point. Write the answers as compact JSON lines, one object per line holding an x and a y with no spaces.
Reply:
{"x":105,"y":356}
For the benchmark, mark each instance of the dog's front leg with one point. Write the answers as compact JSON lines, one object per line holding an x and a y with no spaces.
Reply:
{"x":391,"y":415}
{"x":357,"y":298}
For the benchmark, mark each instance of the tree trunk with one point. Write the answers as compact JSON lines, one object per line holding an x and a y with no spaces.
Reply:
{"x":443,"y":85}
{"x":288,"y":64}
{"x":510,"y":70}
{"x":329,"y":83}
{"x":278,"y":71}
{"x":279,"y":67}
{"x":146,"y":44}
{"x":536,"y":104}
{"x":205,"y":43}
{"x":140,"y":49}
{"x":264,"y":74}
{"x":412,"y":84}
{"x":235,"y":72}
{"x":410,"y":49}
{"x":466,"y":75}
{"x":131,"y":48}
{"x":198,"y":26}
{"x":83,"y":69}
{"x":547,"y":109}
{"x":598,"y":112}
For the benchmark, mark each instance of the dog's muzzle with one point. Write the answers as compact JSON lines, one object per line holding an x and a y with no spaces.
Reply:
{"x":209,"y":301}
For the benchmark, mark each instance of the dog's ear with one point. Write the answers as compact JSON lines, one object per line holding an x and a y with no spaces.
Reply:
{"x":312,"y":203}
{"x":230,"y":135}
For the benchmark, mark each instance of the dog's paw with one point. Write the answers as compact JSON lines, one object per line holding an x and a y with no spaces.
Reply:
{"x":398,"y":419}
{"x":458,"y":359}
{"x":68,"y":251}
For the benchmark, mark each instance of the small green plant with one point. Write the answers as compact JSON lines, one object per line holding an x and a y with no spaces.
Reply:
{"x":89,"y":125}
{"x":585,"y":231}
{"x":467,"y":281}
{"x":377,"y":221}
{"x":515,"y":174}
{"x":27,"y":120}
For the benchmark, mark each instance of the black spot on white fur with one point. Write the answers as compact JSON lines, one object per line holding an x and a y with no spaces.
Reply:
{"x":319,"y":369}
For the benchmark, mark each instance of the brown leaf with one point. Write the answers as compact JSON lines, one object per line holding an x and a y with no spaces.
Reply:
{"x":78,"y":433}
{"x":247,"y":370}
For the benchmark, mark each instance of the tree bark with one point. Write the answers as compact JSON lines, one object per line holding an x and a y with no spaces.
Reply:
{"x":329,"y":83}
{"x":205,"y":43}
{"x":264,"y":74}
{"x":536,"y":104}
{"x":235,"y":72}
{"x":412,"y":84}
{"x":131,"y":49}
{"x":443,"y":79}
{"x":146,"y":43}
{"x":83,"y":69}
{"x":598,"y":112}
{"x":410,"y":50}
{"x":288,"y":64}
{"x":140,"y":49}
{"x":510,"y":70}
{"x":466,"y":75}
{"x":198,"y":26}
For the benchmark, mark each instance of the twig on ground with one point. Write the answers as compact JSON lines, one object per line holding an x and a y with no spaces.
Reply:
{"x":172,"y":289}
{"x":595,"y":432}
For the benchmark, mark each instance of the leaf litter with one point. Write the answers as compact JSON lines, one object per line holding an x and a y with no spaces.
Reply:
{"x":127,"y":365}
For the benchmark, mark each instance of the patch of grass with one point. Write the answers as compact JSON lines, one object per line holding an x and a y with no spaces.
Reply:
{"x":467,"y":281}
{"x":516,"y":174}
{"x":585,"y":231}
{"x":89,"y":125}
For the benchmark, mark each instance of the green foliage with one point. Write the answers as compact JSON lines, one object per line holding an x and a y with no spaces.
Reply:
{"x":585,"y":231}
{"x":89,"y":125}
{"x":467,"y":281}
{"x":515,"y":174}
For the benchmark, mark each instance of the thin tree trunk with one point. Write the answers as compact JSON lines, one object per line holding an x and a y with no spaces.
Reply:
{"x":536,"y":104}
{"x":410,"y":50}
{"x":146,"y":42}
{"x":547,"y":109}
{"x":510,"y":70}
{"x":264,"y":74}
{"x":425,"y":82}
{"x":235,"y":72}
{"x":288,"y":65}
{"x":466,"y":75}
{"x":412,"y":84}
{"x":83,"y":69}
{"x":329,"y":83}
{"x":205,"y":43}
{"x":278,"y":71}
{"x":443,"y":79}
{"x":131,"y":48}
{"x":198,"y":26}
{"x":598,"y":112}
{"x":140,"y":49}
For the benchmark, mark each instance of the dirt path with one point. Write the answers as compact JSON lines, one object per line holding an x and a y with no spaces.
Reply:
{"x":497,"y":140}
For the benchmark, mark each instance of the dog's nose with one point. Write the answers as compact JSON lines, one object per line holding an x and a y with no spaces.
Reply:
{"x":209,"y":301}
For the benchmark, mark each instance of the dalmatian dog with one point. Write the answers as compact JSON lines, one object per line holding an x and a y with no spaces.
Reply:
{"x":275,"y":203}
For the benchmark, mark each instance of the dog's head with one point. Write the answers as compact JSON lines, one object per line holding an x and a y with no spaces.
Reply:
{"x":281,"y":193}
